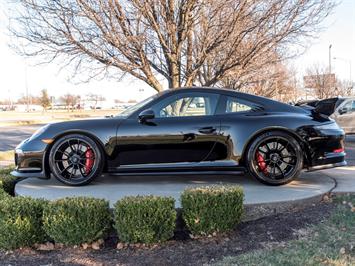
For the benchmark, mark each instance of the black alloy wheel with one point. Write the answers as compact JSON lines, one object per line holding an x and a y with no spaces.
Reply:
{"x":76,"y":160}
{"x":275,"y":158}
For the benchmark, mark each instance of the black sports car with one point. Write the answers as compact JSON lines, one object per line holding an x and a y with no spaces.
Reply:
{"x":190,"y":130}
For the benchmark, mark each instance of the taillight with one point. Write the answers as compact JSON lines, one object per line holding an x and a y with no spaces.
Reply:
{"x":339,"y":150}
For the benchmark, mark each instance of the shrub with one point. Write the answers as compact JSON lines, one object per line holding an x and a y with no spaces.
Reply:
{"x":73,"y":221}
{"x":21,"y":222}
{"x":3,"y":194}
{"x":145,"y":219}
{"x":7,"y":183}
{"x":212,"y":209}
{"x":6,"y":170}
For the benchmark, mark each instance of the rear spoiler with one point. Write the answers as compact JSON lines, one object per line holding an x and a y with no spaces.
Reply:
{"x":325,"y":107}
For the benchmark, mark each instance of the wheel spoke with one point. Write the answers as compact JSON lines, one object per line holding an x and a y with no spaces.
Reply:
{"x":62,"y":160}
{"x":277,"y":144}
{"x":285,"y":146}
{"x":70,"y":146}
{"x":288,"y":163}
{"x":261,"y":150}
{"x":273,"y":170}
{"x":64,"y":152}
{"x":72,"y":172}
{"x":78,"y":147}
{"x":267,"y":147}
{"x":282,"y":173}
{"x":288,"y":156}
{"x":66,"y":168}
{"x":81,"y":171}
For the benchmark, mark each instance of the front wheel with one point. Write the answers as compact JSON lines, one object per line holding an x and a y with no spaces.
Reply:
{"x":275,"y":158}
{"x":76,"y":160}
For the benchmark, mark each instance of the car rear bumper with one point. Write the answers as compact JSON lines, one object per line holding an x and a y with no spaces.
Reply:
{"x":326,"y":166}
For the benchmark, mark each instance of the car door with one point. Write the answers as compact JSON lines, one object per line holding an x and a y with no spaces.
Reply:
{"x":184,"y":130}
{"x":238,"y":116}
{"x":345,"y":116}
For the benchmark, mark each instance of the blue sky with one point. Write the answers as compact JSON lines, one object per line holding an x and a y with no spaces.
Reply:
{"x":339,"y":31}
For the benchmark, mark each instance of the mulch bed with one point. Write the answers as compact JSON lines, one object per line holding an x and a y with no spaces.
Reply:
{"x":183,"y":250}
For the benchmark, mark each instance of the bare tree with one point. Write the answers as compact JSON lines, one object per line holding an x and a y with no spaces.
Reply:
{"x":44,"y":99}
{"x":178,"y":42}
{"x":70,"y":100}
{"x":94,"y":99}
{"x":345,"y":87}
{"x":321,"y":81}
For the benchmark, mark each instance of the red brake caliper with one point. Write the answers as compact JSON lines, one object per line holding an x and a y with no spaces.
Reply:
{"x":89,"y":162}
{"x":261,"y":162}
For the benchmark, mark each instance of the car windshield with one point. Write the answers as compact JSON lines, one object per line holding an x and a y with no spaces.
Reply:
{"x":135,"y":107}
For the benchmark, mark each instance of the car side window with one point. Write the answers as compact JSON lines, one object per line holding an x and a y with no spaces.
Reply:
{"x":192,"y":104}
{"x":234,"y":105}
{"x":349,"y":106}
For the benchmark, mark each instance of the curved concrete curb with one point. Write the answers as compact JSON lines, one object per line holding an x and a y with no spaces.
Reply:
{"x":260,"y":200}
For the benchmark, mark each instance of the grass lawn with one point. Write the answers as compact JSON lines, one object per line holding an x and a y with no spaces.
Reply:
{"x":29,"y":118}
{"x":329,"y":243}
{"x":6,"y":155}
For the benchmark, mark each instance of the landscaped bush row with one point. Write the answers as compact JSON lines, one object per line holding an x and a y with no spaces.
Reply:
{"x":212,"y":209}
{"x":145,"y":219}
{"x":141,"y":219}
{"x":21,"y":222}
{"x":7,"y":182}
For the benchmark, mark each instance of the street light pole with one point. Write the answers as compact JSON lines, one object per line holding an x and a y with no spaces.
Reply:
{"x":27,"y":92}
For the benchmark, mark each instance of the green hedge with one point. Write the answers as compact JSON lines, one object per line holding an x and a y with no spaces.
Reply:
{"x":73,"y":221}
{"x":212,"y":209}
{"x":145,"y":219}
{"x":21,"y":222}
{"x":7,"y":182}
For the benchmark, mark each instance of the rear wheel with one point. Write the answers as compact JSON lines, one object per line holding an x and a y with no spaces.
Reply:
{"x":76,"y":160}
{"x":275,"y":158}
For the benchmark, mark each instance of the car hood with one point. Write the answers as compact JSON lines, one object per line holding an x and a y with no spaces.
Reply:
{"x":86,"y":125}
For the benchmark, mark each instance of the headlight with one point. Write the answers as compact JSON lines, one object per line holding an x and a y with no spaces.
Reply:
{"x":39,"y":132}
{"x":329,"y":126}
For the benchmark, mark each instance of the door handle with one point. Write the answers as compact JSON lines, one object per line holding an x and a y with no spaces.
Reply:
{"x":207,"y":130}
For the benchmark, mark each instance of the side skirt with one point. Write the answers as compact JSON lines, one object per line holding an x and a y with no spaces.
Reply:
{"x":206,"y":168}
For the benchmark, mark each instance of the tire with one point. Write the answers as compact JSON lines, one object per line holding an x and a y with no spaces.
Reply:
{"x":76,"y":160}
{"x":275,"y":158}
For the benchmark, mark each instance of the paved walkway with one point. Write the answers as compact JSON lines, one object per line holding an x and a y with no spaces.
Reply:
{"x":345,"y":178}
{"x":113,"y":188}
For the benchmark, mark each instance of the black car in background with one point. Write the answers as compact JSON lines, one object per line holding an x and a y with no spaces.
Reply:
{"x":342,"y":110}
{"x":187,"y":131}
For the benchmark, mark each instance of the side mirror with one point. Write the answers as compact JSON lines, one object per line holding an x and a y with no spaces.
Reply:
{"x":343,"y":110}
{"x":146,"y":115}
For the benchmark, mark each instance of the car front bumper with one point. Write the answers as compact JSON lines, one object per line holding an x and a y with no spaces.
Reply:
{"x":30,"y":159}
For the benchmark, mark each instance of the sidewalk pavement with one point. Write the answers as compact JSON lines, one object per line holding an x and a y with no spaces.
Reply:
{"x":345,"y":179}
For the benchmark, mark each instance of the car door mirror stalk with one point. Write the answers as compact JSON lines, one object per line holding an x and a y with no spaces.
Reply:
{"x":146,"y":115}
